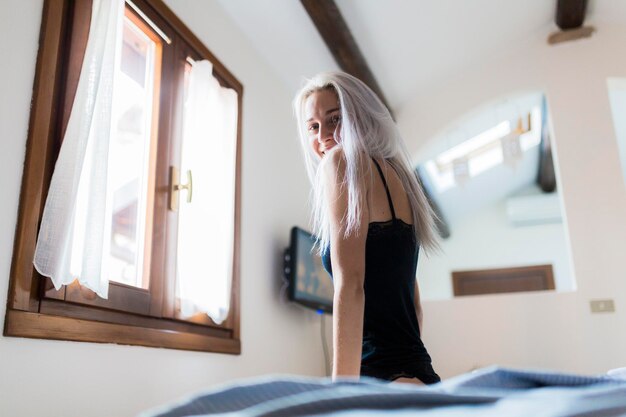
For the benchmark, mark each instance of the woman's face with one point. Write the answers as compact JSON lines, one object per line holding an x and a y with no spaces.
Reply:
{"x":323,"y":117}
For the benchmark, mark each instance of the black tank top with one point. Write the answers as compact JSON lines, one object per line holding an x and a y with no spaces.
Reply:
{"x":392,"y":347}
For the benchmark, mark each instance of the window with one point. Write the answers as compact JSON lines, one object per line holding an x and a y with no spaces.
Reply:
{"x":484,"y":151}
{"x":146,"y":151}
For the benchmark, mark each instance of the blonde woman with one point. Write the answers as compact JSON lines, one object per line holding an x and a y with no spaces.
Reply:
{"x":371,"y":217}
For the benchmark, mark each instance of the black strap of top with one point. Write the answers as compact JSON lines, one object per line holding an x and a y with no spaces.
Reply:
{"x":380,"y":171}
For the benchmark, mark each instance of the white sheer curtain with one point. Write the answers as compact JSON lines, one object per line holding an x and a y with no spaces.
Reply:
{"x":72,"y":243}
{"x":206,"y":225}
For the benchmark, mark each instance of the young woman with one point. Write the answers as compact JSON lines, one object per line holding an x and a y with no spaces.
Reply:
{"x":371,"y":217}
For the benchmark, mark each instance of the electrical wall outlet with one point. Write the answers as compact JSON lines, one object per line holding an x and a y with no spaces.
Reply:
{"x":602,"y":306}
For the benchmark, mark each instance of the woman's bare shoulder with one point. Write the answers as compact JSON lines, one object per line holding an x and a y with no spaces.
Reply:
{"x":335,"y":163}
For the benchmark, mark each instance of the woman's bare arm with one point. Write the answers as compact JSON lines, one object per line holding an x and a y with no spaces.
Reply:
{"x":348,"y":258}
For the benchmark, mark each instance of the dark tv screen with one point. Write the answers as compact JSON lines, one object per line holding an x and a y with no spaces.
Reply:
{"x":309,"y":283}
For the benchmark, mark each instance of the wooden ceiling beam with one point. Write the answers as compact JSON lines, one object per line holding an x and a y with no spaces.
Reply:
{"x":333,"y":28}
{"x":546,"y":177}
{"x":570,"y":14}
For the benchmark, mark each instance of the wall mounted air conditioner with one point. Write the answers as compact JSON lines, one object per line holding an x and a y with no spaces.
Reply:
{"x":534,"y":209}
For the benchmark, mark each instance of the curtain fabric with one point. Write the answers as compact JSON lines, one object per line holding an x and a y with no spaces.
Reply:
{"x":72,"y":243}
{"x":206,"y":225}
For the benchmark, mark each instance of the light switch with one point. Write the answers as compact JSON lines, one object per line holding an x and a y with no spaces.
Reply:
{"x":602,"y":306}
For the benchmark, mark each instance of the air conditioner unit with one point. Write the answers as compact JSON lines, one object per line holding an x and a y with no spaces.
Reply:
{"x":534,"y":209}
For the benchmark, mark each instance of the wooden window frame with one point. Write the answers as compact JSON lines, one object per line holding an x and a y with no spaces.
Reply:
{"x":503,"y":280}
{"x":34,"y":308}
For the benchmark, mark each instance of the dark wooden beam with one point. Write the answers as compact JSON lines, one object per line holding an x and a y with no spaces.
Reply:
{"x":442,"y":225}
{"x":570,"y":14}
{"x":333,"y":28}
{"x":546,"y":177}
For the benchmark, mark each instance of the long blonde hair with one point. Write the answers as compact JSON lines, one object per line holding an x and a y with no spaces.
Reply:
{"x":366,"y":129}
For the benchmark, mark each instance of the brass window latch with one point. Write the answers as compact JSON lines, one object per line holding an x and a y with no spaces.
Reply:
{"x":176,"y":187}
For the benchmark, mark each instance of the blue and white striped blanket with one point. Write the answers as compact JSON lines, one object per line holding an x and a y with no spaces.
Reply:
{"x":487,"y":392}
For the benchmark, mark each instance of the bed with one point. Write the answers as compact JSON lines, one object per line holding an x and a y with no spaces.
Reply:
{"x":492,"y":391}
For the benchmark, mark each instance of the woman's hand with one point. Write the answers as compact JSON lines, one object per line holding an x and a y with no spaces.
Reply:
{"x":418,"y":307}
{"x":420,"y":318}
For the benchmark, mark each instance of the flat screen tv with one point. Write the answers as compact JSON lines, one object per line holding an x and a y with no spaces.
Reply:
{"x":309,"y":283}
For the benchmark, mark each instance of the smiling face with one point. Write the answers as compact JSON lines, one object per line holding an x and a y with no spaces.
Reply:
{"x":323,"y":118}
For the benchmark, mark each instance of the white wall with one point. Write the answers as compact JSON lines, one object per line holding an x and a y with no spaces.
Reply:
{"x":486,"y":239}
{"x":56,"y":378}
{"x":546,"y":330}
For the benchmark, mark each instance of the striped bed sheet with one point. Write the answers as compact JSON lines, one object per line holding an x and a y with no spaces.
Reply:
{"x":492,"y":391}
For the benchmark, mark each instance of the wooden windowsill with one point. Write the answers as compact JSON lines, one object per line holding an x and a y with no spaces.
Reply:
{"x":42,"y":326}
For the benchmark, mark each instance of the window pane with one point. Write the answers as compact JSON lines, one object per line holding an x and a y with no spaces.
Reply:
{"x":131,"y":157}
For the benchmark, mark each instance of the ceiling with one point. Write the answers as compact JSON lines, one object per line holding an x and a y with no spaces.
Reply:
{"x":407,"y":44}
